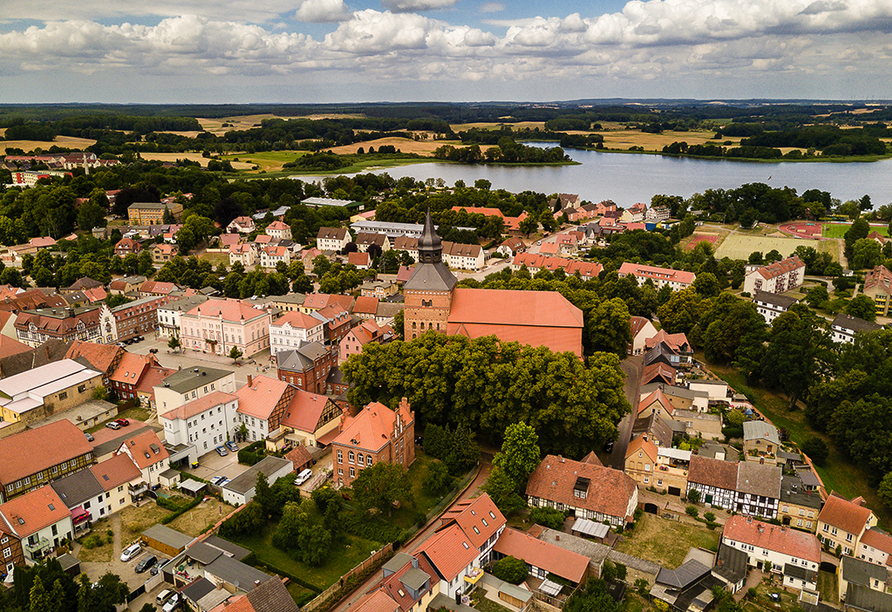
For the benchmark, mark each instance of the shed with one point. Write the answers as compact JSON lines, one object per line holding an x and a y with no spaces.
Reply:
{"x":590,"y":529}
{"x":169,"y":478}
{"x":71,"y":565}
{"x":513,"y":595}
{"x":192,"y":487}
{"x":165,"y":540}
{"x":240,"y":490}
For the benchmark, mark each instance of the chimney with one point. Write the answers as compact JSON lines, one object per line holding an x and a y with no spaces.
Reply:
{"x":250,"y":380}
{"x":557,"y":538}
{"x":256,"y":583}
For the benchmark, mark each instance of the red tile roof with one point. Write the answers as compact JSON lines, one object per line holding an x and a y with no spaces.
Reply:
{"x":843,"y":514}
{"x":878,"y":539}
{"x":713,"y":472}
{"x":11,"y":346}
{"x":677,"y":342}
{"x":299,"y":456}
{"x":375,"y":601}
{"x":365,"y":305}
{"x":260,"y":399}
{"x":394,"y":587}
{"x":653,"y":272}
{"x":115,"y":472}
{"x":609,"y":491}
{"x":317,"y":301}
{"x":643,"y":444}
{"x":358,"y":259}
{"x":304,"y":411}
{"x":199,"y":405}
{"x":544,"y":555}
{"x":153,"y":377}
{"x":228,"y":309}
{"x":657,"y":370}
{"x":478,"y":518}
{"x":637,"y":324}
{"x":878,"y":276}
{"x":780,"y":267}
{"x":297,"y":320}
{"x":772,"y":537}
{"x":370,"y":429}
{"x":537,"y":318}
{"x":31,"y":512}
{"x":131,"y":368}
{"x":449,"y":551}
{"x":660,"y":398}
{"x":480,"y":210}
{"x":145,"y":448}
{"x":19,"y":459}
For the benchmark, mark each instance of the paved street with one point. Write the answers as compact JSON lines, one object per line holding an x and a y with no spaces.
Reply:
{"x":632,"y":367}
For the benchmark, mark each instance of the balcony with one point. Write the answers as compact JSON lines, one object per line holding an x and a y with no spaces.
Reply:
{"x":138,"y":489}
{"x":38,"y":549}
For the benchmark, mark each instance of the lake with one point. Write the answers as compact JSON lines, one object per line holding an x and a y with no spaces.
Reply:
{"x":627,"y":178}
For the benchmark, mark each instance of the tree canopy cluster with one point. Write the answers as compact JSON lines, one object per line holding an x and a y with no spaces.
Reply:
{"x":485,"y":385}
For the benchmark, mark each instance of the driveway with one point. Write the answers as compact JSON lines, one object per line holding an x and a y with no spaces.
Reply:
{"x":211,"y":464}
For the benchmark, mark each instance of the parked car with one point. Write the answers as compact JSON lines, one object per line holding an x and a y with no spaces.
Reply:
{"x":122,"y":344}
{"x":216,"y":480}
{"x":163,"y":595}
{"x":232,"y":446}
{"x":303,"y":477}
{"x":157,"y":568}
{"x":89,"y":436}
{"x":173,"y":603}
{"x":221,"y":450}
{"x":130,"y":552}
{"x":122,"y":422}
{"x":153,"y":350}
{"x":608,"y":448}
{"x":113,"y":425}
{"x":145,"y":563}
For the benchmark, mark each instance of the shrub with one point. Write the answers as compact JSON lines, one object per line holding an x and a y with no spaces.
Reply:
{"x":692,"y":511}
{"x":92,"y":541}
{"x":816,"y":449}
{"x":693,"y":497}
{"x":549,"y":517}
{"x":709,"y":516}
{"x":436,"y":478}
{"x":620,"y":571}
{"x":510,"y":570}
{"x":641,"y":587}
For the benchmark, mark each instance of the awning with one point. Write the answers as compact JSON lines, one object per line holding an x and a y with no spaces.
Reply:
{"x":590,"y":528}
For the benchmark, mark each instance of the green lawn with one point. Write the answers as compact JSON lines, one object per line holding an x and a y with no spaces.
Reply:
{"x":406,"y":516}
{"x":828,"y":587}
{"x":839,"y":474}
{"x":300,"y":595}
{"x":346,"y":552}
{"x":664,"y":541}
{"x":838,"y":230}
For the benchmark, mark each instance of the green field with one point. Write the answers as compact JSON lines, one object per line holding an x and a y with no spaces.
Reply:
{"x":739,"y":246}
{"x":838,"y":230}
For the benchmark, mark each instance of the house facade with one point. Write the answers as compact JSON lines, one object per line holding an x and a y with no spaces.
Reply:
{"x":878,"y":287}
{"x":772,"y":305}
{"x":40,"y":520}
{"x":307,"y":366}
{"x":205,"y":423}
{"x":293,"y":329}
{"x":332,"y":238}
{"x":261,"y":405}
{"x":675,"y":279}
{"x":845,"y":327}
{"x":221,"y":324}
{"x":781,"y":547}
{"x":778,"y":277}
{"x":139,"y":317}
{"x":842,"y":523}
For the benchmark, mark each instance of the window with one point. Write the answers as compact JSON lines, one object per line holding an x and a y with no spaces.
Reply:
{"x":340,"y":456}
{"x":369,"y":461}
{"x":63,"y":395}
{"x":352,"y":472}
{"x":350,"y":457}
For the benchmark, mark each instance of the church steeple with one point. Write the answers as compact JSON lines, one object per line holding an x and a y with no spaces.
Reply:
{"x":430,"y":248}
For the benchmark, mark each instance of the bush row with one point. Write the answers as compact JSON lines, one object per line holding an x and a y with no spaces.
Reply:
{"x":186,"y":508}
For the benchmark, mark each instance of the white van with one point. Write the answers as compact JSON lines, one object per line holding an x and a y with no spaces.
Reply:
{"x":303,"y":477}
{"x":163,"y":596}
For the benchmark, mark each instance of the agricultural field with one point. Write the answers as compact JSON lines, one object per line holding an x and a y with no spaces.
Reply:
{"x":492,"y":125}
{"x":739,"y":246}
{"x":623,"y":139}
{"x":191,"y":156}
{"x":246,"y":122}
{"x":69,"y":142}
{"x":838,"y":230}
{"x":419,"y":147}
{"x":267,"y":161}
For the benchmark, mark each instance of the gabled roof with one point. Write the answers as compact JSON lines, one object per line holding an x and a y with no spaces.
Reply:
{"x":683,"y":576}
{"x":260,"y":398}
{"x":358,"y":259}
{"x":365,"y":305}
{"x":374,"y":601}
{"x":544,"y":555}
{"x":318,"y":301}
{"x":759,"y":479}
{"x":31,"y":512}
{"x":862,"y":572}
{"x":371,"y":429}
{"x":332,"y":233}
{"x":879,"y":276}
{"x":713,"y":472}
{"x":609,"y":491}
{"x":780,"y":267}
{"x":479,"y":518}
{"x":677,"y":342}
{"x":297,"y":320}
{"x":643,"y":444}
{"x":843,"y":514}
{"x":197,"y":406}
{"x":19,"y":459}
{"x":449,"y":551}
{"x":227,"y":309}
{"x":776,"y":538}
{"x":655,"y":273}
{"x":146,"y":449}
{"x":304,"y":410}
{"x":775,"y":299}
{"x":302,"y":358}
{"x":656,"y":397}
{"x":760,"y":430}
{"x":878,"y":539}
{"x":854,"y":324}
{"x":77,"y":488}
{"x":131,"y":368}
{"x":638,"y":324}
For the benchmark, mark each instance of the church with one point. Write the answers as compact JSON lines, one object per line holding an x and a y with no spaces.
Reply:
{"x":537,"y":318}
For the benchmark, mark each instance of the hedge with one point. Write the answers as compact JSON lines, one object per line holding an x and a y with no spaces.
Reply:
{"x":370,"y":528}
{"x":278,"y":570}
{"x":186,"y":508}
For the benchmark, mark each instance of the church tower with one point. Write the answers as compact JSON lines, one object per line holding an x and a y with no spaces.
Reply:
{"x":428,"y":292}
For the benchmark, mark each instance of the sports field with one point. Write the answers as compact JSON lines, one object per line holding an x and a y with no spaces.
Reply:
{"x":739,"y":246}
{"x":838,"y":230}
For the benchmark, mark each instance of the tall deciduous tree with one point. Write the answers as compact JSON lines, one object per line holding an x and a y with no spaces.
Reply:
{"x":381,"y":485}
{"x":609,"y":327}
{"x":520,"y":453}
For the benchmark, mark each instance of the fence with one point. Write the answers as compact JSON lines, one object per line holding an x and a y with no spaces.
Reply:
{"x":330,"y":596}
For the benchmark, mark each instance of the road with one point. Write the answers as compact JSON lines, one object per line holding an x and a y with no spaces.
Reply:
{"x":632,"y":367}
{"x":419,"y":538}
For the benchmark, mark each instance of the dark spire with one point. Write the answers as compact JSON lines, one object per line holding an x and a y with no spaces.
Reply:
{"x":430,"y":249}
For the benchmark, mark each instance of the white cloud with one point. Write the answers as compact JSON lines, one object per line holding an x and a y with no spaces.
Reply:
{"x":492,"y":7}
{"x":405,"y":6}
{"x":322,"y":11}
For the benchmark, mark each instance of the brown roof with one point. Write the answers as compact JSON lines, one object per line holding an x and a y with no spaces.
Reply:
{"x":19,"y":459}
{"x":299,"y":456}
{"x":772,"y":537}
{"x":31,"y":512}
{"x":304,"y":410}
{"x":365,"y":305}
{"x":358,"y":259}
{"x":32,"y":299}
{"x":657,"y":371}
{"x":780,"y":267}
{"x":332,"y":233}
{"x":641,"y":443}
{"x":878,"y":539}
{"x":115,"y":472}
{"x":321,"y":300}
{"x":713,"y":472}
{"x":637,"y":324}
{"x":609,"y":490}
{"x":478,"y":518}
{"x":297,"y":320}
{"x":394,"y":587}
{"x":843,"y":514}
{"x":658,"y":397}
{"x":131,"y":368}
{"x":11,"y":346}
{"x":544,"y":555}
{"x":677,"y":342}
{"x":375,"y":601}
{"x":371,"y":429}
{"x":879,"y":276}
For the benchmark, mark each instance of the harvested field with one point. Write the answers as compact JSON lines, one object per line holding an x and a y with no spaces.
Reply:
{"x":419,"y":147}
{"x":490,"y":125}
{"x":739,"y":246}
{"x":623,"y":139}
{"x":246,"y":122}
{"x":191,"y":156}
{"x":194,"y":521}
{"x":267,"y":161}
{"x":69,"y":142}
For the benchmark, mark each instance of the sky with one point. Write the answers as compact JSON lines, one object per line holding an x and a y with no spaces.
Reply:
{"x":318,"y":51}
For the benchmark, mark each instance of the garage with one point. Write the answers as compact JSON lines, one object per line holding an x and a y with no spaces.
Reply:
{"x":650,"y":508}
{"x":675,"y":491}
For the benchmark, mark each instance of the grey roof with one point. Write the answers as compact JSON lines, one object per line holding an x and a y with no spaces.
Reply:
{"x":193,"y":378}
{"x":67,"y":561}
{"x":507,"y":588}
{"x":272,"y":596}
{"x":193,"y":486}
{"x":760,"y":430}
{"x":415,"y":579}
{"x":794,"y":492}
{"x":291,"y":298}
{"x":146,"y":205}
{"x":672,"y":390}
{"x":168,"y":536}
{"x":302,"y":358}
{"x":683,"y":576}
{"x":397,"y":562}
{"x":198,"y":589}
{"x":138,"y":302}
{"x":730,"y":564}
{"x":185,"y":304}
{"x":657,"y":427}
{"x":660,"y":351}
{"x":327,"y":202}
{"x":245,"y":481}
{"x":861,"y":572}
{"x":808,"y":478}
{"x":49,"y":352}
{"x":800,"y":572}
{"x":335,"y":376}
{"x":389,"y":309}
{"x":855,"y":324}
{"x":774,"y":299}
{"x":203,"y":553}
{"x":431,"y":277}
{"x":228,"y":548}
{"x":759,"y":479}
{"x":587,"y":548}
{"x":77,"y":488}
{"x":235,"y":572}
{"x":862,"y":598}
{"x":788,"y":455}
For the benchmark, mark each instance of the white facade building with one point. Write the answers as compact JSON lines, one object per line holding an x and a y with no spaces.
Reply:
{"x":206,"y":422}
{"x":292,"y":329}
